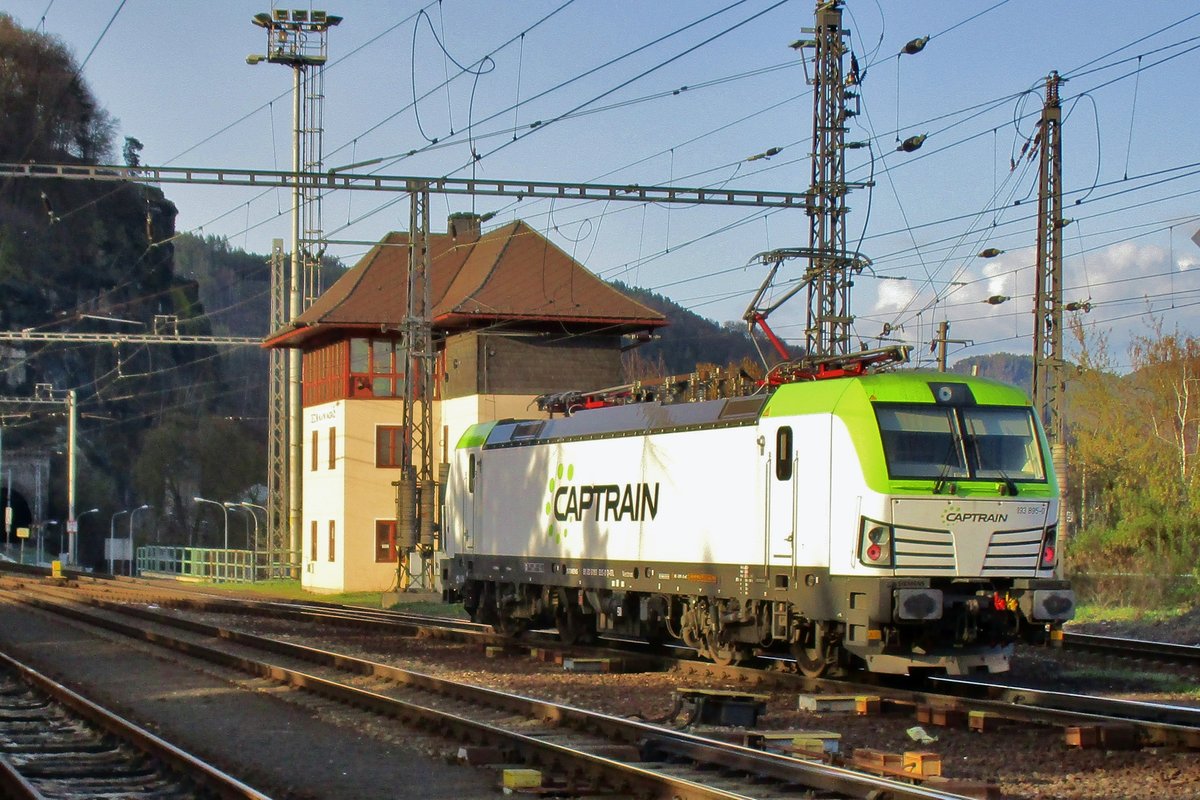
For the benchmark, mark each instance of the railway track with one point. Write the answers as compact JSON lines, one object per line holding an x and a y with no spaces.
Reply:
{"x":1133,"y":648}
{"x":1156,"y":724}
{"x":56,"y":743}
{"x":594,"y":752}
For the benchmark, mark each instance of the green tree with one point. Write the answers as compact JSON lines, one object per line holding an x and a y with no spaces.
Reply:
{"x":47,"y":112}
{"x":1133,"y":449}
{"x":188,"y":455}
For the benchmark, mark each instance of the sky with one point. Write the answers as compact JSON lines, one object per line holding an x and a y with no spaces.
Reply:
{"x":684,"y":93}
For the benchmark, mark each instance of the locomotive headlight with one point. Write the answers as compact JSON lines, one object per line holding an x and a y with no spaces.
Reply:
{"x":875,"y":549}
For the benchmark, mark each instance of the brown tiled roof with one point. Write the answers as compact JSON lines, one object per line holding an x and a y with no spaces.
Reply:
{"x":512,"y":274}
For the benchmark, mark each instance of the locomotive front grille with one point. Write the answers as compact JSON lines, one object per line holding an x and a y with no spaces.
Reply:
{"x":1000,"y":553}
{"x":922,"y":552}
{"x":1013,"y":553}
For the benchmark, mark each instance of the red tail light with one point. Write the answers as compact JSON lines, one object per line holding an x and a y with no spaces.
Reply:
{"x":1049,"y":550}
{"x":875,"y":549}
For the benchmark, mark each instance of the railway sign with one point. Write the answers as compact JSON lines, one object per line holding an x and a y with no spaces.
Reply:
{"x":22,"y":533}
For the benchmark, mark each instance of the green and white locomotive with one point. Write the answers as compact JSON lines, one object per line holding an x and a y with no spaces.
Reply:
{"x":895,"y":521}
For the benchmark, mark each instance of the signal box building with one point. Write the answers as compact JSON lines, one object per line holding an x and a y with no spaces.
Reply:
{"x":513,"y":317}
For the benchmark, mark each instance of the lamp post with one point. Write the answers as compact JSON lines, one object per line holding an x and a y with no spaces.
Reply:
{"x":112,"y":538}
{"x":249,"y":545}
{"x":133,"y":514}
{"x":223,"y":509}
{"x":266,"y":518}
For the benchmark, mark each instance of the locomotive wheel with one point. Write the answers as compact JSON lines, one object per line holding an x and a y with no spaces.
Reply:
{"x":574,"y":627}
{"x":511,"y":627}
{"x":725,"y":654}
{"x":813,"y":659}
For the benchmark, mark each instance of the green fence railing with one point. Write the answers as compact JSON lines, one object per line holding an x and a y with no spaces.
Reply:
{"x":214,"y":564}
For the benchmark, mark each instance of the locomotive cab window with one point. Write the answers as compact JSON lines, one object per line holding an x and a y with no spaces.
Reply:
{"x":783,"y":453}
{"x":977,"y":442}
{"x":1003,"y":443}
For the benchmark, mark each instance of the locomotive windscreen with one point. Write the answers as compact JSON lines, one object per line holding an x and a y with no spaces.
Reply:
{"x":976,"y":442}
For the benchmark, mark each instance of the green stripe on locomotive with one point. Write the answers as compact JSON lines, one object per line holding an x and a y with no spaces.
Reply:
{"x":475,"y":436}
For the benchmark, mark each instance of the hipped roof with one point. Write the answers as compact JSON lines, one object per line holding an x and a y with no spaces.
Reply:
{"x":510,"y":275}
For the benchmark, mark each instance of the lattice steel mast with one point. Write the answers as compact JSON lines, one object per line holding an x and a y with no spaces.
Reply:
{"x":1049,"y":373}
{"x":827,"y":330}
{"x":831,"y":267}
{"x":1048,"y":378}
{"x":416,"y":495}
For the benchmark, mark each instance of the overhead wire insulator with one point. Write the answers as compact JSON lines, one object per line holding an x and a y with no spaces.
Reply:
{"x":996,"y":299}
{"x":774,"y":151}
{"x":915,"y":46}
{"x":990,"y":252}
{"x":912,"y":143}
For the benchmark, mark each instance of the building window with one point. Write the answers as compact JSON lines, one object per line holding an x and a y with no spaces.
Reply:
{"x":333,"y":448}
{"x":376,"y":368}
{"x":313,"y":555}
{"x":332,"y":539}
{"x":314,"y":451}
{"x":391,"y":442}
{"x":385,"y":541}
{"x":325,"y":374}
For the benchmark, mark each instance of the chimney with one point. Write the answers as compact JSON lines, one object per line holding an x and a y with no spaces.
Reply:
{"x":464,"y":227}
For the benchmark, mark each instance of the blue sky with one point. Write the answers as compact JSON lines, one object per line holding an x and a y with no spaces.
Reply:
{"x":174,"y":75}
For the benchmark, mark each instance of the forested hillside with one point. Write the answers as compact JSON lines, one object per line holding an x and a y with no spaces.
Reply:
{"x":99,"y":257}
{"x":690,"y":339}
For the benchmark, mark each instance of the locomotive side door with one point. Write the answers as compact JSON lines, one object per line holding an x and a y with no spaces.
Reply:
{"x":472,"y":498}
{"x":780,"y":495}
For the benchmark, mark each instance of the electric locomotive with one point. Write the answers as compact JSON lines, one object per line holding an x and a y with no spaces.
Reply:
{"x":895,"y":521}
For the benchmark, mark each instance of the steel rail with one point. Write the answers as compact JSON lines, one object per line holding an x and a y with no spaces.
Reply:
{"x":1133,"y":648}
{"x":1158,"y":724}
{"x":13,"y":784}
{"x":624,"y":777}
{"x":201,"y":773}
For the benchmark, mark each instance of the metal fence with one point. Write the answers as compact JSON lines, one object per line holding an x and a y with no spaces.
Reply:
{"x":215,"y":564}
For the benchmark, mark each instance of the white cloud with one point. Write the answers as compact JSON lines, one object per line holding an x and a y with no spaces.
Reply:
{"x":893,"y":295}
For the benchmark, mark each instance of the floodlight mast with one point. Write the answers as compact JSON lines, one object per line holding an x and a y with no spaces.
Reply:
{"x":298,"y":39}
